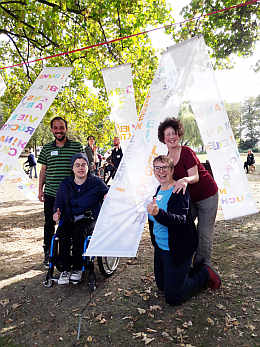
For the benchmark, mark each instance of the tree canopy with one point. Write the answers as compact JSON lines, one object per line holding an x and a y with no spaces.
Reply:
{"x":250,"y":123}
{"x":39,"y":28}
{"x":233,"y":31}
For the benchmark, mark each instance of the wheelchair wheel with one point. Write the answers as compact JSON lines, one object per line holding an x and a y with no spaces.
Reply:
{"x":107,"y":265}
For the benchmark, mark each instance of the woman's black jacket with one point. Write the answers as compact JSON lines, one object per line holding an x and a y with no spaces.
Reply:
{"x":182,"y":233}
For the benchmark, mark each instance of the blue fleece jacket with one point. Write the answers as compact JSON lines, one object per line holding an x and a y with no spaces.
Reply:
{"x":74,"y":200}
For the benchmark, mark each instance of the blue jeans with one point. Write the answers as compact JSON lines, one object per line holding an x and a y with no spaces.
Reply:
{"x":31,"y":170}
{"x":174,"y":280}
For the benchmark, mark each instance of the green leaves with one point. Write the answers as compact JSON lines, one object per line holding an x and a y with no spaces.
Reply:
{"x":232,"y":31}
{"x":41,"y":28}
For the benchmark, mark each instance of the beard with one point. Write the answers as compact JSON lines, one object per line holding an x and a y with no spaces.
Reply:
{"x":60,"y":138}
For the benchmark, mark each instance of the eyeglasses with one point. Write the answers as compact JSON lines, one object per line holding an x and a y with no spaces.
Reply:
{"x":161,"y":168}
{"x":78,"y":165}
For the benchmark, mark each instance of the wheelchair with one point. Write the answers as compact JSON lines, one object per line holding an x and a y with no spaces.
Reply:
{"x":107,"y":265}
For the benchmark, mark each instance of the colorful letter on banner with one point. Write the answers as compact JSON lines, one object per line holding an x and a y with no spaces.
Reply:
{"x":217,"y":135}
{"x":120,"y":91}
{"x":17,"y":131}
{"x":121,"y":221}
{"x":27,"y":186}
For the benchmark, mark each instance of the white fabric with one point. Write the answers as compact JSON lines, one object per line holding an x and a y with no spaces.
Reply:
{"x":2,"y":86}
{"x":120,"y":91}
{"x":17,"y":131}
{"x":217,"y":135}
{"x":27,"y":186}
{"x":120,"y":224}
{"x":184,"y":67}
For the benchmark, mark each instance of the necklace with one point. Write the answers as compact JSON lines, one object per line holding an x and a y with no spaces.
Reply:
{"x":167,"y":187}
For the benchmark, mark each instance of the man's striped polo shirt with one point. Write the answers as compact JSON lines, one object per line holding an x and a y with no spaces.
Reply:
{"x":58,"y":162}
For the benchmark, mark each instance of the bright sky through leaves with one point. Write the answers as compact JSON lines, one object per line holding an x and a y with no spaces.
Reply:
{"x":234,"y":85}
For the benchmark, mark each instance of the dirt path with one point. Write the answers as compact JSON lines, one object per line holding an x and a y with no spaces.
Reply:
{"x":126,"y":309}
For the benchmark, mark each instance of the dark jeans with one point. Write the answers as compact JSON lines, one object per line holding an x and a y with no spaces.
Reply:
{"x":110,"y":171}
{"x":174,"y":280}
{"x":73,"y":234}
{"x":49,"y":225}
{"x":246,"y":166}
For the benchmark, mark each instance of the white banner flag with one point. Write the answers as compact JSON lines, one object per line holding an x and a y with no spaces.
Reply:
{"x":2,"y":86}
{"x":17,"y":131}
{"x":25,"y":185}
{"x":218,"y":138}
{"x":120,"y":91}
{"x":184,"y":67}
{"x":123,"y":215}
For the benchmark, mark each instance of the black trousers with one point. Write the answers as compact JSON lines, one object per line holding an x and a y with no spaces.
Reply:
{"x":49,"y":225}
{"x":174,"y":280}
{"x":73,"y":234}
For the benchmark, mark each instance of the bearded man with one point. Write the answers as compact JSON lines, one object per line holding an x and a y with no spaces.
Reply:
{"x":55,"y":158}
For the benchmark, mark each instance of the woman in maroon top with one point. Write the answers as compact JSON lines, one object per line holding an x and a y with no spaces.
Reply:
{"x":189,"y":172}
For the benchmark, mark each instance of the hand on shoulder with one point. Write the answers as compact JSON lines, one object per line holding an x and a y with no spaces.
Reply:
{"x":181,"y":184}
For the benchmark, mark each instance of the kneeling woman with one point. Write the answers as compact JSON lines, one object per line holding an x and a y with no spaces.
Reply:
{"x":75,"y":196}
{"x":175,"y":240}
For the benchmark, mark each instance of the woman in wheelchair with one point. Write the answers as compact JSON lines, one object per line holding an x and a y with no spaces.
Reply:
{"x":77,"y":205}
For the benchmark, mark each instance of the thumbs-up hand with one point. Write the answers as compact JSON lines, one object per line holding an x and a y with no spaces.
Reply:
{"x":56,"y":216}
{"x":152,"y":208}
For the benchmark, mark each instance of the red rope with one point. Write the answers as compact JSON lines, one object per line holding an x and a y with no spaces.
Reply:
{"x":133,"y":35}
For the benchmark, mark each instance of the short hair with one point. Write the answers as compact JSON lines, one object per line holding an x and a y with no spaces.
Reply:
{"x":59,"y":118}
{"x":164,"y":159}
{"x":89,"y":137}
{"x":167,"y":123}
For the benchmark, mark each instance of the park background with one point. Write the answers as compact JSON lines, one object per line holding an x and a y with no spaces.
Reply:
{"x":126,"y":310}
{"x":28,"y":34}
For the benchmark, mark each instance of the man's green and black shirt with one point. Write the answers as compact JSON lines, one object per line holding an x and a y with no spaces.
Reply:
{"x":58,"y":163}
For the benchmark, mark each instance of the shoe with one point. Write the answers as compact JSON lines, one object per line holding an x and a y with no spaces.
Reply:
{"x":76,"y":276}
{"x":214,"y":281}
{"x":46,"y":263}
{"x":64,"y":278}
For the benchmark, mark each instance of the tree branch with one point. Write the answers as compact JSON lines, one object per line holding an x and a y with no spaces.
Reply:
{"x":20,"y":54}
{"x":120,"y":28}
{"x":36,"y":43}
{"x":28,"y":25}
{"x":108,"y":46}
{"x":13,"y":2}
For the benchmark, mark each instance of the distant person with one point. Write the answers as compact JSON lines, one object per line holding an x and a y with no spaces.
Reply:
{"x":108,"y":170}
{"x":55,"y":158}
{"x":32,"y":164}
{"x":116,"y":155}
{"x":91,"y":152}
{"x":175,"y":239}
{"x":250,"y":160}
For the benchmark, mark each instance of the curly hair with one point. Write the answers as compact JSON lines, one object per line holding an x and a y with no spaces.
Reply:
{"x":164,"y":159}
{"x":170,"y":123}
